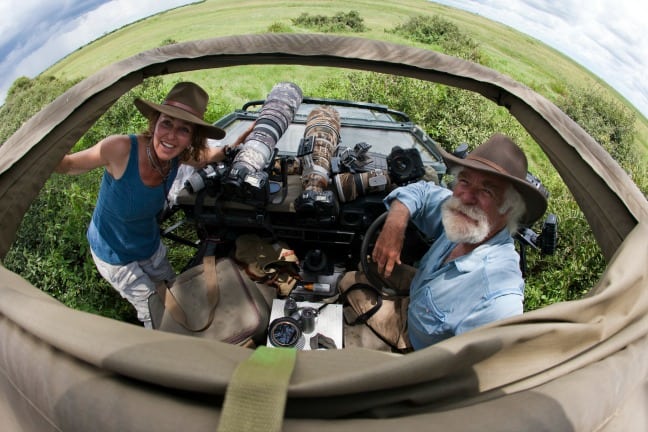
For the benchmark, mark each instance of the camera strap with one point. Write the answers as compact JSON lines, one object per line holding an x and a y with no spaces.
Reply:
{"x":350,"y":314}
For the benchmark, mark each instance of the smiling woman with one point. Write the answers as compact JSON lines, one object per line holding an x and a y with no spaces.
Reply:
{"x":544,"y":370}
{"x":124,"y":235}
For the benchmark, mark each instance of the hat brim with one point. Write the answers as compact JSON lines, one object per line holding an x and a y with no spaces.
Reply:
{"x":148,"y":109}
{"x":535,"y":201}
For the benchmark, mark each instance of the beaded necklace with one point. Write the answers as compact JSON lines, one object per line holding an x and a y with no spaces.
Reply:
{"x":164,"y":172}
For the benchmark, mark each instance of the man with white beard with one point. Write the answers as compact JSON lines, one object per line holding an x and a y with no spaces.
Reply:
{"x":471,"y":274}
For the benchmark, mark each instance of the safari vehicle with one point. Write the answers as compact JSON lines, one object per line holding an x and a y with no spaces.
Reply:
{"x":376,"y":149}
{"x":572,"y":366}
{"x":373,"y":149}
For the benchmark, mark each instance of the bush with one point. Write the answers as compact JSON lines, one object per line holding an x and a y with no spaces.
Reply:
{"x":25,"y":98}
{"x":449,"y":115}
{"x":611,"y":124}
{"x":278,"y":27}
{"x":439,"y":32}
{"x":51,"y":250}
{"x":168,"y":41}
{"x":576,"y":265}
{"x":340,"y":22}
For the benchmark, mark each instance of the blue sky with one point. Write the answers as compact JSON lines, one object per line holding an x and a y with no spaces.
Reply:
{"x":605,"y":36}
{"x":34,"y":34}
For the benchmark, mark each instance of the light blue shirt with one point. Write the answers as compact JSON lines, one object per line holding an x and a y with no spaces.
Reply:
{"x":475,"y":289}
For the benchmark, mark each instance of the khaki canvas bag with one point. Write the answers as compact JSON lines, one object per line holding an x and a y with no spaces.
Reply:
{"x":369,"y":308}
{"x":215,"y":300}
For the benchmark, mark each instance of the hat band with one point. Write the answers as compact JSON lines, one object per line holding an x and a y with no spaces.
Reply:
{"x":489,"y":163}
{"x":182,"y":107}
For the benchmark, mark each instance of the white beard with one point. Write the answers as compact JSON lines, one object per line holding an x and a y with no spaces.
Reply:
{"x":459,"y":230}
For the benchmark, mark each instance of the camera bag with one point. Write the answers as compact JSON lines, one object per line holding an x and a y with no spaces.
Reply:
{"x":216,"y":300}
{"x":368,"y":308}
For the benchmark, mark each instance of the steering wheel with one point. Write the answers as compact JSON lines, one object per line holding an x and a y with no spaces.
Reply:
{"x":414,"y":247}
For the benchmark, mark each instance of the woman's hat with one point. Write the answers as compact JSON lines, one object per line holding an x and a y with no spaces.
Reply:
{"x":186,"y":101}
{"x":500,"y":156}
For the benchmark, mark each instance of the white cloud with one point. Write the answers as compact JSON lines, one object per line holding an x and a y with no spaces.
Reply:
{"x":34,"y":34}
{"x":605,"y":36}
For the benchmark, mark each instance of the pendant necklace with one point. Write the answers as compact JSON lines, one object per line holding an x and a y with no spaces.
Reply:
{"x":155,"y":164}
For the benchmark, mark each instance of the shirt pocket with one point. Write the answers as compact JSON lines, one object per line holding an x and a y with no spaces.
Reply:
{"x":429,"y":317}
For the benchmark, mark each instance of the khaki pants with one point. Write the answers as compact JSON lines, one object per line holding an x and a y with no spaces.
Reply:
{"x":136,"y":280}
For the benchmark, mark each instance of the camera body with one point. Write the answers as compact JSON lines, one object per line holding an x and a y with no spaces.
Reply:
{"x":209,"y":177}
{"x":233,"y":182}
{"x":404,"y":165}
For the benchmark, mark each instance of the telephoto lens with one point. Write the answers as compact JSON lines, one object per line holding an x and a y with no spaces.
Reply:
{"x":257,"y":149}
{"x":290,"y":306}
{"x":308,"y":316}
{"x":323,"y":124}
{"x":321,"y":138}
{"x":350,"y":186}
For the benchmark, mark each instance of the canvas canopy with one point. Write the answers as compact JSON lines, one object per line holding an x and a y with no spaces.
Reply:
{"x":574,"y":366}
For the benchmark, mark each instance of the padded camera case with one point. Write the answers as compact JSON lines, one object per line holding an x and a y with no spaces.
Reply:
{"x":214,"y":300}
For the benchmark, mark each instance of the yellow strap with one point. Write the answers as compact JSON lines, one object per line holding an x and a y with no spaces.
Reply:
{"x":256,"y":396}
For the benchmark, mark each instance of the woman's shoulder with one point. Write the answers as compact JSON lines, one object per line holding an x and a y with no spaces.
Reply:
{"x":116,"y":145}
{"x":119,"y":139}
{"x":116,"y":150}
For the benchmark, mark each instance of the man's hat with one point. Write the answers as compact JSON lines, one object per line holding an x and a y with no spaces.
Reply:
{"x":500,"y":156}
{"x":186,"y":101}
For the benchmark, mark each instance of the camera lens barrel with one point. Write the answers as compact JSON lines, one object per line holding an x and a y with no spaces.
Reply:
{"x":276,"y":114}
{"x":323,"y":128}
{"x":404,"y":165}
{"x":308,"y":316}
{"x":350,"y":186}
{"x":290,"y":306}
{"x":198,"y":179}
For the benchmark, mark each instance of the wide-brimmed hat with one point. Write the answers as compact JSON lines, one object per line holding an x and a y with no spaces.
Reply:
{"x":186,"y":101}
{"x":500,"y":156}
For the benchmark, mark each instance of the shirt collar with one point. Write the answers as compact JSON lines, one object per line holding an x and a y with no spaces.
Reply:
{"x":474,"y":259}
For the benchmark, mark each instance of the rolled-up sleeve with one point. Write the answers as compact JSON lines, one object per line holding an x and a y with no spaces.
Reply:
{"x":423,"y":200}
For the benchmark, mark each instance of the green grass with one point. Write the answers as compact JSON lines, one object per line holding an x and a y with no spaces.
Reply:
{"x":551,"y":279}
{"x":523,"y":58}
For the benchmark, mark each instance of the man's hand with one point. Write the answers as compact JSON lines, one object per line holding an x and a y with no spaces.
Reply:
{"x":386,"y":252}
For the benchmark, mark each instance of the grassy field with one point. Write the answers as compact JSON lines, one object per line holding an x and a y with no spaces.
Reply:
{"x":523,"y":58}
{"x":566,"y":275}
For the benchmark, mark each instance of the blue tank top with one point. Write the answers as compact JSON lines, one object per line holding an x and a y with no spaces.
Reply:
{"x":124,"y":226}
